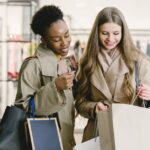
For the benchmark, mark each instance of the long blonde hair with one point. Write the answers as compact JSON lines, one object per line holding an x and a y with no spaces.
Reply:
{"x":90,"y":58}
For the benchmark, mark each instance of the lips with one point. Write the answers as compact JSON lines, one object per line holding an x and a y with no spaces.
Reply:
{"x":65,"y":50}
{"x":110,"y":44}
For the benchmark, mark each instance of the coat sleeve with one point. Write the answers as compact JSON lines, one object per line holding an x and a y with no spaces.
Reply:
{"x":144,"y":74}
{"x":47,"y":99}
{"x":85,"y":107}
{"x":144,"y":70}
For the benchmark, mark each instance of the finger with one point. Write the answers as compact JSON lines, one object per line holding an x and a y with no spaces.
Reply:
{"x":145,"y":92}
{"x":69,"y":73}
{"x":69,"y":85}
{"x":145,"y":86}
{"x":68,"y":78}
{"x":101,"y":106}
{"x":145,"y":96}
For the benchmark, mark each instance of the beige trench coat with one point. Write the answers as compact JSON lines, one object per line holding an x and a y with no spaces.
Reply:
{"x":37,"y":77}
{"x":109,"y":89}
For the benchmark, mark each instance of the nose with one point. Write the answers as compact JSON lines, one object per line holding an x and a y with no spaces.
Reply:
{"x":110,"y":37}
{"x":64,"y":41}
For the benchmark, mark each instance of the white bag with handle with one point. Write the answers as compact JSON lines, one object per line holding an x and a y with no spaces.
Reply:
{"x":93,"y":144}
{"x":124,"y":127}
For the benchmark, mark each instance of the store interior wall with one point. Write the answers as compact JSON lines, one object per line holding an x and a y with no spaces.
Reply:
{"x":83,"y":12}
{"x":80,"y":16}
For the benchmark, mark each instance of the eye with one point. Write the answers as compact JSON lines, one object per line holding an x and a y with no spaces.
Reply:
{"x":67,"y":35}
{"x":104,"y":33}
{"x":55,"y":39}
{"x":116,"y":33}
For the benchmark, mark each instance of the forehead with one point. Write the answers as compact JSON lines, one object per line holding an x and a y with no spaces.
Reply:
{"x":57,"y":28}
{"x":110,"y":27}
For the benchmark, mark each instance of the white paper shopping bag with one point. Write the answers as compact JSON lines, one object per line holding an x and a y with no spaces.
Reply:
{"x":92,"y":144}
{"x":124,"y":127}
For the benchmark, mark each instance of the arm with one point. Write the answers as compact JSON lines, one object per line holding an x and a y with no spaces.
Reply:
{"x":143,"y":90}
{"x":85,"y":108}
{"x":47,"y":98}
{"x":88,"y":108}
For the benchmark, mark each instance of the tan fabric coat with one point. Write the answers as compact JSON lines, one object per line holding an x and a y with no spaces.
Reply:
{"x":109,"y":89}
{"x":37,"y":77}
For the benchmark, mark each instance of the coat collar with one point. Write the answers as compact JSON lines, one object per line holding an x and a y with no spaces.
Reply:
{"x":48,"y":61}
{"x":117,"y":68}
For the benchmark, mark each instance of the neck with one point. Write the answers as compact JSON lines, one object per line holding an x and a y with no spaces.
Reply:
{"x":111,"y":52}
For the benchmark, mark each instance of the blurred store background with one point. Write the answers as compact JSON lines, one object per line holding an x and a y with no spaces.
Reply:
{"x":18,"y":42}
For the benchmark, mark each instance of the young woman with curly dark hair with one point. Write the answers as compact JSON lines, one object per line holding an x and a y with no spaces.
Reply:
{"x":47,"y":75}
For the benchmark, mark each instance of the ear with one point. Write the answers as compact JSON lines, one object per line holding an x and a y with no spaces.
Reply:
{"x":43,"y":40}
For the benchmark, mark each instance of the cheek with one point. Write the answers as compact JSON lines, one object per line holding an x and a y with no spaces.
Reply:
{"x":119,"y":39}
{"x":53,"y":46}
{"x":101,"y":39}
{"x":69,"y":40}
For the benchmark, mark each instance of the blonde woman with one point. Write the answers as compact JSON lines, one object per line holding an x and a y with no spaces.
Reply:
{"x":107,"y":70}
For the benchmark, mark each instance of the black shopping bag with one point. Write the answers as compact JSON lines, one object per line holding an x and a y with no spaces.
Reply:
{"x":12,"y":133}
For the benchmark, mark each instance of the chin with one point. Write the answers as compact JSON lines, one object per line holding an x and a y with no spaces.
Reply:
{"x":64,"y":54}
{"x":109,"y":48}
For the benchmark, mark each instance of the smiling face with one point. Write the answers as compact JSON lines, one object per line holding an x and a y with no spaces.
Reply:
{"x":58,"y":38}
{"x":110,"y":35}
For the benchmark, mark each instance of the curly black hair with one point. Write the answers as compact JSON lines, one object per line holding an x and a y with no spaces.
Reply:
{"x":44,"y":17}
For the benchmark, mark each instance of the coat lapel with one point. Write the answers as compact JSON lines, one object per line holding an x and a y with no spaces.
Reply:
{"x":107,"y":85}
{"x":47,"y":60}
{"x":115,"y":76}
{"x":99,"y":82}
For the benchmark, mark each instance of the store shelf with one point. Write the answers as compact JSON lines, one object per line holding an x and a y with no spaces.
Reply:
{"x":15,"y":45}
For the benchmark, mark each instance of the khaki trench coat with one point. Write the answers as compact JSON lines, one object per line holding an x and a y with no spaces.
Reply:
{"x":37,"y":77}
{"x":109,"y":89}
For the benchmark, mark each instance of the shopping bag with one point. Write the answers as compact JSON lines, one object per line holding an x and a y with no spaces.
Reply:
{"x":12,"y":128}
{"x":92,"y":144}
{"x":44,"y":134}
{"x":12,"y":135}
{"x":124,"y":127}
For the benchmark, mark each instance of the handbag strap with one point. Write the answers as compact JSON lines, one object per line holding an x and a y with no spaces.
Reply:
{"x":95,"y":132}
{"x":31,"y":111}
{"x":138,"y":81}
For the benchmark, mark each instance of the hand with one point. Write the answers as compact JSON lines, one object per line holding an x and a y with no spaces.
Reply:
{"x":143,"y":92}
{"x":65,"y":81}
{"x":100,"y":107}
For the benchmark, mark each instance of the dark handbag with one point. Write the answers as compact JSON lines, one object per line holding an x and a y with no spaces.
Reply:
{"x":12,"y":129}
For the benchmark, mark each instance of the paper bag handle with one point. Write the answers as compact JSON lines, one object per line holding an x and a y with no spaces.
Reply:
{"x":95,"y":132}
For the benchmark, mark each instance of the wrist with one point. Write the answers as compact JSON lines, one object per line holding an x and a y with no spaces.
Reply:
{"x":57,"y":86}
